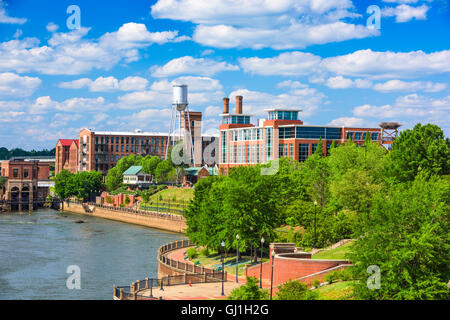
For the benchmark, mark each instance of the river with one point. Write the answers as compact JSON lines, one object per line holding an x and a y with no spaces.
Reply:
{"x":36,"y":249}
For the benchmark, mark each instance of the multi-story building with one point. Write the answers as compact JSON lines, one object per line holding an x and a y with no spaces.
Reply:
{"x":282,"y":134}
{"x":22,"y":190}
{"x":66,"y":156}
{"x":101,"y":150}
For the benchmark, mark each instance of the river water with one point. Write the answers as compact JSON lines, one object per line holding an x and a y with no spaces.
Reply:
{"x":36,"y":249}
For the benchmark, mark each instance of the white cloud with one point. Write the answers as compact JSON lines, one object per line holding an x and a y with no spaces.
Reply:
{"x":77,"y":105}
{"x":347,"y":122}
{"x":17,"y":34}
{"x":409,"y":110}
{"x":69,"y":53}
{"x":388,"y":64}
{"x":15,"y":86}
{"x":399,"y":85}
{"x":190,"y":65}
{"x":212,"y":111}
{"x":4,"y":18}
{"x":104,"y":84}
{"x":405,"y":13}
{"x":340,"y":82}
{"x":285,"y":24}
{"x":288,"y":64}
{"x":52,"y":27}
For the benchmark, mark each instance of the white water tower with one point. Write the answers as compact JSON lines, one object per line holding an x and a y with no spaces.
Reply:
{"x":179,"y":106}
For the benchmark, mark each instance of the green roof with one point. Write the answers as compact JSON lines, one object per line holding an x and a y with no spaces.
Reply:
{"x":193,"y":171}
{"x":133,"y":170}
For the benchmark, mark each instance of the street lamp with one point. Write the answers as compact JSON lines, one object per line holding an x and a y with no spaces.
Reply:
{"x":260,"y":272}
{"x":271,"y":276}
{"x":223,"y":249}
{"x":315,"y":211}
{"x":237,"y":257}
{"x":365,"y":152}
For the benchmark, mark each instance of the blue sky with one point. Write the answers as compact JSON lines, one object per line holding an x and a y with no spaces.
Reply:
{"x":116,"y":71}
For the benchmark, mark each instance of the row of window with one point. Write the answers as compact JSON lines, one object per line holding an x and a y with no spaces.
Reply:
{"x":246,"y":134}
{"x":358,"y":135}
{"x":286,"y":150}
{"x":151,"y":149}
{"x":283,"y":115}
{"x":236,"y":119}
{"x":246,"y":153}
{"x":132,"y":140}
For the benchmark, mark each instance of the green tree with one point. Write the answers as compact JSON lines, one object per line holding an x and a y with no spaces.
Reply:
{"x":422,"y":148}
{"x":163,"y":170}
{"x":149,"y":164}
{"x":87,"y":183}
{"x":64,"y":184}
{"x":295,"y":290}
{"x":406,"y":236}
{"x":249,"y":291}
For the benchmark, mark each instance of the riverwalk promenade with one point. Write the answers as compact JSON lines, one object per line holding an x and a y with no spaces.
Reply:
{"x":163,"y":221}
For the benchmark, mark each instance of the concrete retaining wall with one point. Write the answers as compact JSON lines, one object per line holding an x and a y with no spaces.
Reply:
{"x":159,"y":222}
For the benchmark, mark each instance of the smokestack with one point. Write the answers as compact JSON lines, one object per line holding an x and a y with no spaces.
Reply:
{"x":226,"y":105}
{"x":238,"y":104}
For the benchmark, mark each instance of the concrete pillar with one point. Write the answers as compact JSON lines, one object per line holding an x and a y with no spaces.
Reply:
{"x":121,"y":294}
{"x":146,"y":283}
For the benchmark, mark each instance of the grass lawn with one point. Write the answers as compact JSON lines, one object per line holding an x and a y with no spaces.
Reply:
{"x":337,"y":253}
{"x":342,"y":290}
{"x":169,"y":194}
{"x":214,"y":260}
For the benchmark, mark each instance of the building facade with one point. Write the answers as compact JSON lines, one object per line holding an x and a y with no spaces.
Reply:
{"x":21,"y":190}
{"x":66,"y":155}
{"x":282,"y":134}
{"x":101,"y":150}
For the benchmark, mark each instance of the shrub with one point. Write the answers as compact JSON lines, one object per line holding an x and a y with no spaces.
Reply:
{"x":204,"y":252}
{"x":121,"y":205}
{"x":332,"y":277}
{"x":295,"y":290}
{"x":127,"y":200}
{"x":249,"y":291}
{"x":108,"y":199}
{"x":192,"y":253}
{"x":316,"y":283}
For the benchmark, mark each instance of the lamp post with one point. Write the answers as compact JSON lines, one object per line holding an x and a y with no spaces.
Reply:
{"x":315,"y":212}
{"x":260,"y":271}
{"x":365,"y":152}
{"x":237,"y":257}
{"x":271,"y":275}
{"x":223,"y":249}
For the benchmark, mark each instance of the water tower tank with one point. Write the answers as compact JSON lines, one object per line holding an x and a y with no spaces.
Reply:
{"x":180,"y":96}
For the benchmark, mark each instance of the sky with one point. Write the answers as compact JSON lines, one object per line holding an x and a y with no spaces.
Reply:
{"x":112,"y":67}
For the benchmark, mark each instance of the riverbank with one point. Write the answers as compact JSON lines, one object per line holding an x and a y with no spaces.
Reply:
{"x":147,"y":219}
{"x":38,"y":248}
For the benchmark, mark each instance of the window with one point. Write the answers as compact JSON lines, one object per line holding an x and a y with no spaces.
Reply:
{"x":314,"y":147}
{"x":328,"y":149}
{"x":117,"y":139}
{"x":121,"y":140}
{"x":247,"y":152}
{"x":291,"y":150}
{"x":269,"y":143}
{"x":25,"y":173}
{"x":280,"y":150}
{"x":128,"y":140}
{"x":117,"y":157}
{"x":16,"y":172}
{"x":304,"y":132}
{"x":257,"y":153}
{"x":286,"y":133}
{"x":224,"y":146}
{"x":303,"y":151}
{"x":235,"y":154}
{"x":374,"y":136}
{"x":349,"y":135}
{"x":357,"y":135}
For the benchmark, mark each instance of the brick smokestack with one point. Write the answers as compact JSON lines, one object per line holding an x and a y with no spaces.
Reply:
{"x":226,"y":105}
{"x":238,"y":104}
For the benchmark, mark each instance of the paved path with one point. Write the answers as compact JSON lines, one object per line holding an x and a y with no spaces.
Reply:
{"x":197,"y":291}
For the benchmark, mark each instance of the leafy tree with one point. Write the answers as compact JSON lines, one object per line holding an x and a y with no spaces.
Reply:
{"x":87,"y":183}
{"x":406,"y":235}
{"x":316,"y":174}
{"x":114,"y":177}
{"x":249,"y":291}
{"x":422,"y":148}
{"x":295,"y":290}
{"x":64,"y":184}
{"x":149,"y":164}
{"x":163,"y":170}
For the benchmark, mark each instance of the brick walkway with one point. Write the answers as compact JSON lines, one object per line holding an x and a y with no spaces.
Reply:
{"x":197,"y":291}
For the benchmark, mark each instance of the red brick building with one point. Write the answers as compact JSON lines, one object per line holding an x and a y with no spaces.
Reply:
{"x":21,"y":190}
{"x":66,"y":156}
{"x":282,"y":134}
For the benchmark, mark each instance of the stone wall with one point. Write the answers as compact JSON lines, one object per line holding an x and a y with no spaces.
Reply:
{"x":154,"y":221}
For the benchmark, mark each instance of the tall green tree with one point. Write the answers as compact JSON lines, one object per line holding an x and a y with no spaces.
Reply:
{"x":406,"y":236}
{"x":423,"y":148}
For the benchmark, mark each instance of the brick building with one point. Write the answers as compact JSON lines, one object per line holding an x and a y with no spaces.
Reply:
{"x":66,"y":156}
{"x":282,"y":134}
{"x":21,"y":190}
